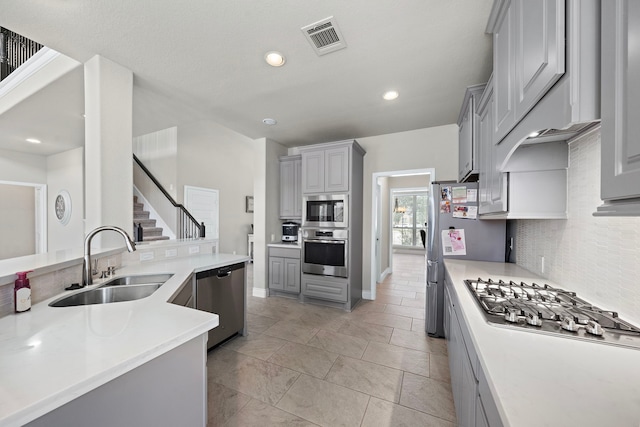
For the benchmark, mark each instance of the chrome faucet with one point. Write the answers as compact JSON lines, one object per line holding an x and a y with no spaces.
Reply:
{"x":87,"y":277}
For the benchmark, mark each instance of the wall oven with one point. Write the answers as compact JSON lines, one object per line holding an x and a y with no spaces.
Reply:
{"x":325,"y":252}
{"x":325,"y":211}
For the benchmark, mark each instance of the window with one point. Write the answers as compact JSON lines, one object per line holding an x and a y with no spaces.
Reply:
{"x":409,"y":217}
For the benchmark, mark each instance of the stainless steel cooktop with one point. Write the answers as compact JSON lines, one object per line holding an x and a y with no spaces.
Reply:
{"x":542,"y":308}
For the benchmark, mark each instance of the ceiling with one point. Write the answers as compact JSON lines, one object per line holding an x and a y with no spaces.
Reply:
{"x":205,"y":60}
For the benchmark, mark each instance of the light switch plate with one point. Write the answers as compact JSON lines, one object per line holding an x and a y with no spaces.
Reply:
{"x":170,"y":253}
{"x":146,"y":256}
{"x":194,"y":249}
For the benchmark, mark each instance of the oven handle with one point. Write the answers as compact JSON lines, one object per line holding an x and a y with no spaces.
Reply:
{"x":331,"y":242}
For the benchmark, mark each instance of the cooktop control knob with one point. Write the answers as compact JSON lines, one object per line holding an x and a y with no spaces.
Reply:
{"x":534,"y":319}
{"x":569,"y":324}
{"x":594,"y":328}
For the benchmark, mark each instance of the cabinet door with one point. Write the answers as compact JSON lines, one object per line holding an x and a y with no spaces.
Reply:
{"x":465,"y":142}
{"x":468,"y":394}
{"x":276,"y":273}
{"x":297,"y":188}
{"x":292,"y":275}
{"x":503,"y":72}
{"x":313,"y":172}
{"x":287,"y":189}
{"x":539,"y":50}
{"x":485,"y":145}
{"x":481,"y":417}
{"x":620,"y":100}
{"x":336,"y":178}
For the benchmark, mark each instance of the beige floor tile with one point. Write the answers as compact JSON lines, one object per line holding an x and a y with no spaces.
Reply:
{"x":381,"y":413}
{"x":322,"y":318}
{"x":291,"y":331}
{"x":259,"y":414}
{"x":411,"y":287}
{"x":366,"y":331}
{"x":256,"y":345}
{"x":324,"y":403}
{"x":387,"y":299}
{"x":259,"y":324}
{"x":427,"y":395}
{"x":417,"y":325}
{"x":417,"y":303}
{"x":275,"y":310}
{"x":396,"y":293}
{"x":367,"y":305}
{"x":367,"y":377}
{"x":396,"y":357}
{"x":339,"y":343}
{"x":223,"y":403}
{"x":401,"y":310}
{"x":418,"y":340}
{"x":439,"y":367}
{"x":385,"y":319}
{"x":305,"y":359}
{"x":259,"y":379}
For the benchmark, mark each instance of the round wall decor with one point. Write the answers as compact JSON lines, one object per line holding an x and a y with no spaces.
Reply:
{"x":62,"y":207}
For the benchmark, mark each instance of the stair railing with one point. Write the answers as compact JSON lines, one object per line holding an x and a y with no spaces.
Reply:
{"x":187,"y":226}
{"x":15,"y":50}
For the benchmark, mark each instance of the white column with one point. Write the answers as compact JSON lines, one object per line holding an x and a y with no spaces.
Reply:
{"x":108,"y":148}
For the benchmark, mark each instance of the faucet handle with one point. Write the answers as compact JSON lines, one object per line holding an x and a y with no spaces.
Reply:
{"x":111,"y":270}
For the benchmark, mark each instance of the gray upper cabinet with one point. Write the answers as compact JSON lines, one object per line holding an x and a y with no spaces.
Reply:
{"x":529,"y":56}
{"x":325,"y":170}
{"x":620,"y":136}
{"x":291,"y":187}
{"x":468,"y":135}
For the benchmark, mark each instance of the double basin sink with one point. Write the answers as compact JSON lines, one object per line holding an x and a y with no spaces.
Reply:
{"x":124,"y":288}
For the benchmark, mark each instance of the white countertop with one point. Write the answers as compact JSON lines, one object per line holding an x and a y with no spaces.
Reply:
{"x":50,"y":356}
{"x":292,"y":245}
{"x":541,"y":380}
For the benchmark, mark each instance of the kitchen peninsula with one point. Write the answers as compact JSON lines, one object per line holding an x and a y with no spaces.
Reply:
{"x":127,"y":363}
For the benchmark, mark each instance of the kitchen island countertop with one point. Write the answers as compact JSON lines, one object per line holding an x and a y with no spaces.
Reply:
{"x":50,"y":356}
{"x":541,"y":380}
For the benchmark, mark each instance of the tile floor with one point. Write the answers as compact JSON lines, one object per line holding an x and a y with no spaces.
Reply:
{"x":307,"y":365}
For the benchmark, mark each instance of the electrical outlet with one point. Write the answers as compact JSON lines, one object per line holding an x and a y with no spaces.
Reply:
{"x":170,"y":253}
{"x":511,"y":244}
{"x":194,"y":249}
{"x":146,"y":256}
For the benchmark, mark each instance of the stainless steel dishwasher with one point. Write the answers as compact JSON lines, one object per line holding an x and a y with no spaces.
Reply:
{"x":221,"y":291}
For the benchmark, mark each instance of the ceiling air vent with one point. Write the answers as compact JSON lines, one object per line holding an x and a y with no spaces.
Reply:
{"x":324,"y":36}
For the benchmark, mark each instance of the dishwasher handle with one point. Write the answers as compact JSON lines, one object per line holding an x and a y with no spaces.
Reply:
{"x":223,"y":273}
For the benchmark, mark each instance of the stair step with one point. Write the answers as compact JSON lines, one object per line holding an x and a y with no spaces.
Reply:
{"x":138,"y":206}
{"x":151,"y":231}
{"x":153,"y":238}
{"x":140,"y":215}
{"x":146,"y":223}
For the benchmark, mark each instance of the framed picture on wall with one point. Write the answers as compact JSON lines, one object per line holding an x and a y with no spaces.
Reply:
{"x":249,"y":205}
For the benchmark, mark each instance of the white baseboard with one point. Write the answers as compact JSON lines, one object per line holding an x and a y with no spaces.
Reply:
{"x":385,"y":273}
{"x":366,"y":295}
{"x":259,"y":292}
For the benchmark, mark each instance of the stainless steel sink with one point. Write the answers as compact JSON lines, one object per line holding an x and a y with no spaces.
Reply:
{"x":125,"y":288}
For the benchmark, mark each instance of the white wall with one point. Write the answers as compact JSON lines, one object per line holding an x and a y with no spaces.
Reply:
{"x":22,"y":167}
{"x":17,"y":221}
{"x":435,"y":147}
{"x":597,"y":257}
{"x":65,"y":171}
{"x":213,"y":156}
{"x":158,"y":152}
{"x":266,"y":207}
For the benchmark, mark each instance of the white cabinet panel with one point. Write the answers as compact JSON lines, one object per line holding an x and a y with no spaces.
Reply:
{"x":313,"y":172}
{"x":621,"y":106}
{"x":290,"y":187}
{"x":336,"y":178}
{"x":503,"y":72}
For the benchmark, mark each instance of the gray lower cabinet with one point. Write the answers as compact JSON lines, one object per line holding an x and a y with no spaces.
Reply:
{"x":284,"y":270}
{"x":325,"y":287}
{"x":473,"y":401}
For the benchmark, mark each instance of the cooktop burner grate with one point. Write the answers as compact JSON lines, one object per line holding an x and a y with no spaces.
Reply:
{"x":545,"y":309}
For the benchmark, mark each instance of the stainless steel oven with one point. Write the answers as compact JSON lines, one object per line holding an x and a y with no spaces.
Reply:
{"x":325,"y":211}
{"x":325,"y":252}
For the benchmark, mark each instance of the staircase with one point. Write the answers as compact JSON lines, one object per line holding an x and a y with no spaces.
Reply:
{"x":149,"y":230}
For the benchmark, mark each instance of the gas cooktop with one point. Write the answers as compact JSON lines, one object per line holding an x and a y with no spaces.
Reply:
{"x":542,"y":308}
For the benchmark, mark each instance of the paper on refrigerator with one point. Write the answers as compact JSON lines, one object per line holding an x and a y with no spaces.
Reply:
{"x":453,"y":242}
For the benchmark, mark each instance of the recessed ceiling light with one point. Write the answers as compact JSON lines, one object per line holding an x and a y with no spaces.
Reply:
{"x":269,"y":122}
{"x":390,"y":95}
{"x":275,"y":59}
{"x":33,"y":140}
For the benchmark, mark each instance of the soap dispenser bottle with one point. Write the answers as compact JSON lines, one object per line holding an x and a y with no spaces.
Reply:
{"x":22,"y":293}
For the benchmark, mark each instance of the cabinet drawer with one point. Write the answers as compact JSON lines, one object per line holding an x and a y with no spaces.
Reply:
{"x":324,"y":288}
{"x":285,"y":252}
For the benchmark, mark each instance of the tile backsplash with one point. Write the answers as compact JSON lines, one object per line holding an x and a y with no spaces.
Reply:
{"x":597,"y":257}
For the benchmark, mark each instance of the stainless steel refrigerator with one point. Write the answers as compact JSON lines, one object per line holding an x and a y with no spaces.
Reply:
{"x":451,"y":207}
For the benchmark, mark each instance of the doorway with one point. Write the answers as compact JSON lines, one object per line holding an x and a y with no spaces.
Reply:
{"x":24,"y":215}
{"x":382,"y":213}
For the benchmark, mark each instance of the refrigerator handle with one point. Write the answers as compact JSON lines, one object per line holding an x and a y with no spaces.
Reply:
{"x":432,"y":271}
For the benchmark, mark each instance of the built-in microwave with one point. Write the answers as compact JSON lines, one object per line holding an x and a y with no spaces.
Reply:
{"x":325,"y":211}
